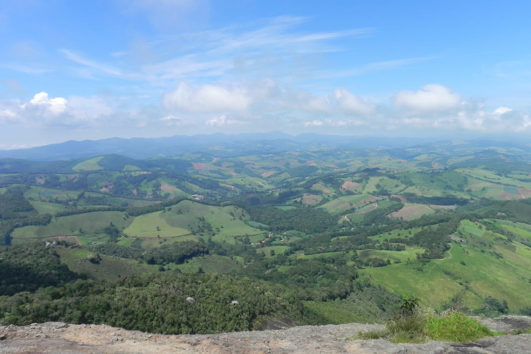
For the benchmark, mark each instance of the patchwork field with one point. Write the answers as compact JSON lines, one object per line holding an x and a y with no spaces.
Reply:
{"x":87,"y":224}
{"x":412,"y":211}
{"x":467,"y":274}
{"x":191,"y":218}
{"x":348,"y":202}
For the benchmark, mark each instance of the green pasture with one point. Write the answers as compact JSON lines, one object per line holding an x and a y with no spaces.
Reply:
{"x":271,"y":251}
{"x":153,"y":225}
{"x":108,"y":267}
{"x":48,"y":207}
{"x":466,"y":273}
{"x":189,"y":217}
{"x":344,"y":203}
{"x":518,"y":229}
{"x":89,"y":165}
{"x":397,"y":233}
{"x":50,"y":194}
{"x":407,"y":255}
{"x":492,"y":177}
{"x":412,"y":211}
{"x":86,"y":224}
{"x":391,"y":185}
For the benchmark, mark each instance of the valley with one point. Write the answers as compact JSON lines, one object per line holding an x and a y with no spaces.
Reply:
{"x":328,"y":235}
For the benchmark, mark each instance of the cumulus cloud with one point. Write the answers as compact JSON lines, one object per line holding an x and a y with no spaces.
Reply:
{"x":7,"y":115}
{"x":42,"y":109}
{"x":431,"y":98}
{"x":351,"y":103}
{"x":502,"y":110}
{"x":207,"y":99}
{"x":221,"y":121}
{"x":53,"y":106}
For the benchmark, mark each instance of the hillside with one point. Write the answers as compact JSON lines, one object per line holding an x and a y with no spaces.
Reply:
{"x":332,"y":235}
{"x":59,"y":337}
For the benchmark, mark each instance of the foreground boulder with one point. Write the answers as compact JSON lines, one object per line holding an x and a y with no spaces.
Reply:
{"x":56,"y":337}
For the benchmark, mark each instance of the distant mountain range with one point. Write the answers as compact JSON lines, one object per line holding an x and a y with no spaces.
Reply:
{"x":220,"y":144}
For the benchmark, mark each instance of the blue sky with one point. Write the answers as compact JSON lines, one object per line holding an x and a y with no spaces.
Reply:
{"x":97,"y":69}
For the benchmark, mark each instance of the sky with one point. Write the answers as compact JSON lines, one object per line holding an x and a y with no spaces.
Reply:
{"x":149,"y":68}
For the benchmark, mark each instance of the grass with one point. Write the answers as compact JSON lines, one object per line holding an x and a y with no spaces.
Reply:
{"x":153,"y":225}
{"x":50,"y":194}
{"x":188,"y":217}
{"x":342,"y":204}
{"x":409,"y":254}
{"x":271,"y":251}
{"x":519,"y":229}
{"x":86,"y":224}
{"x":472,"y":273}
{"x":108,"y":268}
{"x":47,"y":207}
{"x":412,"y":211}
{"x":455,"y":327}
{"x":89,"y":165}
{"x":419,"y":327}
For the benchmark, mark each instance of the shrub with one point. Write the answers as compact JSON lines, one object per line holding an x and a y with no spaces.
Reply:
{"x":456,"y":327}
{"x":411,"y":324}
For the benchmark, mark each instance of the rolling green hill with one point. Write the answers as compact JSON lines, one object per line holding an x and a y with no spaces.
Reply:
{"x":344,"y":232}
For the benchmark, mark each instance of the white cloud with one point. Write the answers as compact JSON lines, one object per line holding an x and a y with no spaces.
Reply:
{"x":351,"y":103}
{"x":314,"y":123}
{"x":42,"y":110}
{"x":502,"y":110}
{"x":88,"y":109}
{"x":207,"y":98}
{"x":525,"y":124}
{"x":53,"y":106}
{"x":431,"y":98}
{"x":221,"y":121}
{"x":171,"y":120}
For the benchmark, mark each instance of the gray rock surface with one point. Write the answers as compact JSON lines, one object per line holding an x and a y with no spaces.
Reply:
{"x":55,"y":337}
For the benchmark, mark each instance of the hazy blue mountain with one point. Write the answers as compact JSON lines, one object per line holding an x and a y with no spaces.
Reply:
{"x":178,"y":145}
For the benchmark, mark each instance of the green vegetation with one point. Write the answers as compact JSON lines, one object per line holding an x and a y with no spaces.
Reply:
{"x":29,"y":268}
{"x":329,"y":235}
{"x":455,"y":327}
{"x":413,"y":325}
{"x":164,"y":304}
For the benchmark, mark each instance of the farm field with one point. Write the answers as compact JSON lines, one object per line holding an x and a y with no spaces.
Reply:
{"x":466,"y":274}
{"x":86,"y":224}
{"x":345,"y":233}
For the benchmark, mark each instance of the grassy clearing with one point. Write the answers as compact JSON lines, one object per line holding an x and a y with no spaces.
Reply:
{"x":385,"y":183}
{"x":467,"y":273}
{"x":271,"y":251}
{"x":412,"y":211}
{"x":407,"y":255}
{"x":401,"y":233}
{"x":153,"y":225}
{"x":47,"y":207}
{"x":518,"y":229}
{"x":89,"y":165}
{"x":50,"y":194}
{"x":107,"y":267}
{"x":348,"y":202}
{"x":87,"y":224}
{"x":187,"y":217}
{"x":492,"y":177}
